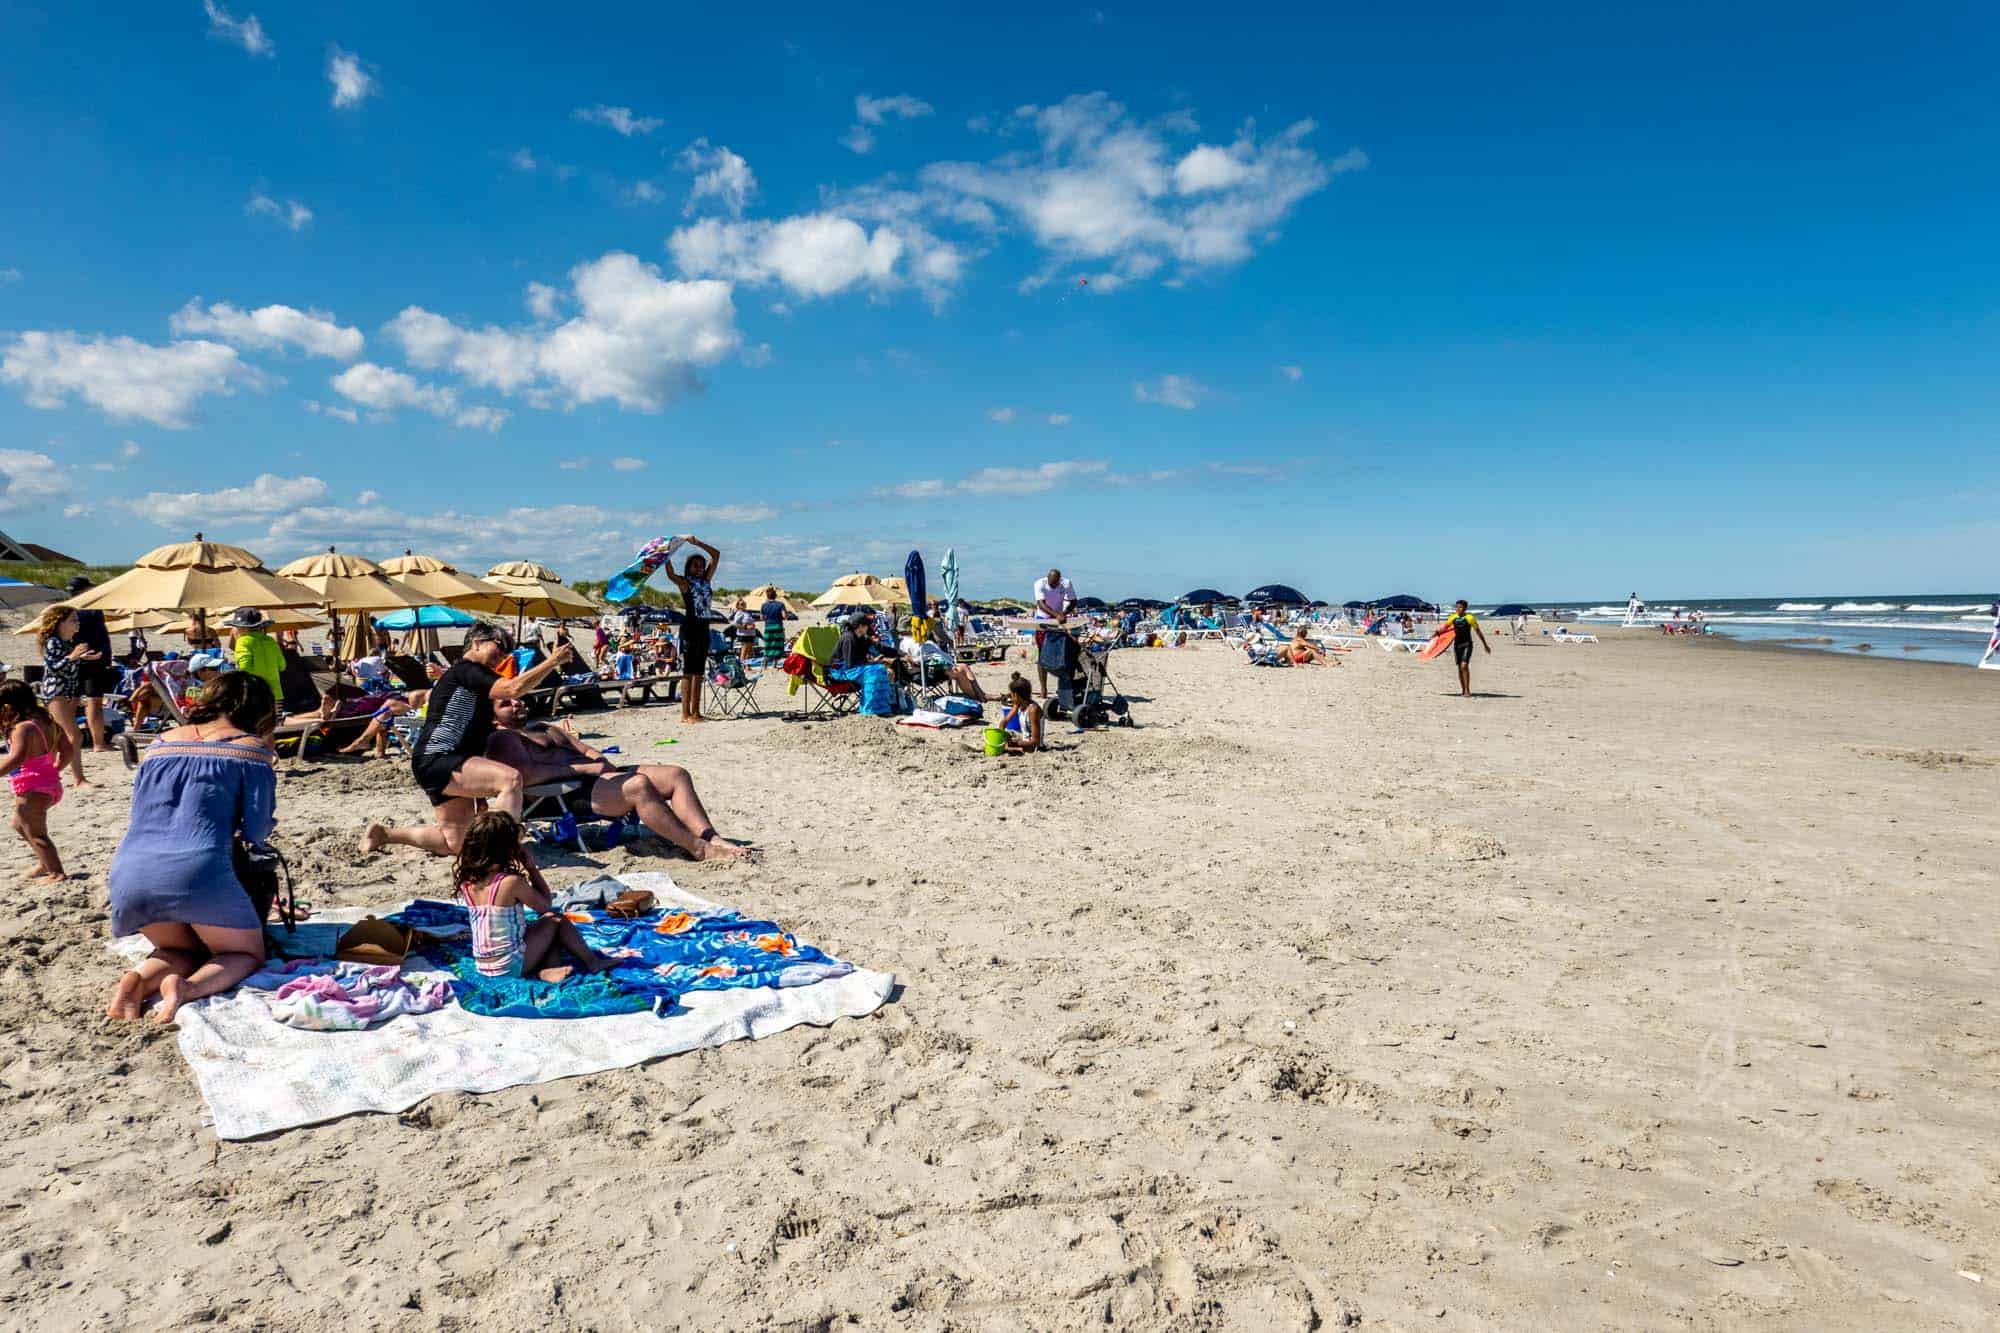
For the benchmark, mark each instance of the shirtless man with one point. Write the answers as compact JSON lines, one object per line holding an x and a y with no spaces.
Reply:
{"x":662,"y":795}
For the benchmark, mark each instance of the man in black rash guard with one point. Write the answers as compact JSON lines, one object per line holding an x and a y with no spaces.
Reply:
{"x":449,"y":760}
{"x":1463,"y":626}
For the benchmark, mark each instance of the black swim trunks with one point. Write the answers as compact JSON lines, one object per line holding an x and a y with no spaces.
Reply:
{"x":1461,"y":651}
{"x":434,"y":773}
{"x":694,"y":646}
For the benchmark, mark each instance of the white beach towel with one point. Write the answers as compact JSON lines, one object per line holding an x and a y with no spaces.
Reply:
{"x":259,"y":1076}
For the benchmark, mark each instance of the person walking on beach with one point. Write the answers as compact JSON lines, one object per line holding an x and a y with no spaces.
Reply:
{"x":1463,"y":625}
{"x":449,"y":760}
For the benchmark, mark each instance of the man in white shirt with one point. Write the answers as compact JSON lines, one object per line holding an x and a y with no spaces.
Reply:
{"x":1055,"y":598}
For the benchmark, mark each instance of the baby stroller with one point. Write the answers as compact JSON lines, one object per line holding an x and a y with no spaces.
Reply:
{"x":1100,"y":703}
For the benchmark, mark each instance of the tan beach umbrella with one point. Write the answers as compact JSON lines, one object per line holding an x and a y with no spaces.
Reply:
{"x":528,"y":589}
{"x":444,"y":584}
{"x":766,"y":592}
{"x":350,"y":585}
{"x":195,"y":576}
{"x":858,"y":590}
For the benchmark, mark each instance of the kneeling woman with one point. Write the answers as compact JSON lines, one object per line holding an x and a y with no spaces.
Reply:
{"x":173,"y":879}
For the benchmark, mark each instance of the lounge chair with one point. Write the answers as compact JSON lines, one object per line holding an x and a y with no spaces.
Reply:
{"x":820,"y":696}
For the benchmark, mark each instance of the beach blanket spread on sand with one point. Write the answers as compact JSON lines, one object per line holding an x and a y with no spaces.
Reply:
{"x":259,"y":1075}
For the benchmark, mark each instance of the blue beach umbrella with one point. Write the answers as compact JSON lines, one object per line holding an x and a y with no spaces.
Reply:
{"x":426,"y":617}
{"x":1275,"y":594}
{"x":913,"y":579}
{"x":1203,"y":596}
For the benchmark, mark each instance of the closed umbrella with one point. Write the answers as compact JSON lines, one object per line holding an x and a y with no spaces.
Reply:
{"x":914,"y":584}
{"x":948,"y":573}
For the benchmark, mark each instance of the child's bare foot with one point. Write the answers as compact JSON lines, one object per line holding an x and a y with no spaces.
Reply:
{"x":712,"y":848}
{"x":127,"y":996}
{"x":373,"y":839}
{"x":555,"y":974}
{"x":170,"y":999}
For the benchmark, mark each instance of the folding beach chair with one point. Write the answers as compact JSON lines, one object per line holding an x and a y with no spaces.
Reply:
{"x":820,"y":696}
{"x":732,"y":688}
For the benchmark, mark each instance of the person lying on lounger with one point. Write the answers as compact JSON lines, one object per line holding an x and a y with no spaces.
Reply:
{"x":662,"y":795}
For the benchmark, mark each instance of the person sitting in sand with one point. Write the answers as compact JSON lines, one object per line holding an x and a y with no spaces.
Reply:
{"x":1302,"y":650}
{"x":661,"y":795}
{"x":449,"y":759}
{"x":494,"y":881}
{"x":173,"y":880}
{"x":37,"y":750}
{"x":1023,"y":723}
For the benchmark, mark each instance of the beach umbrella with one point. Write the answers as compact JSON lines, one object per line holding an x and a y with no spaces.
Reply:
{"x":1513,"y":609}
{"x":443,"y":584}
{"x":1402,"y":601}
{"x":1092,"y":604}
{"x":859,"y":590}
{"x":915,"y":584}
{"x":426,"y":617}
{"x":1202,"y":596}
{"x":15,"y":593}
{"x":1275,"y":594}
{"x":200,"y":576}
{"x":351,"y":585}
{"x":948,"y":576}
{"x":771,"y":592}
{"x":528,"y":589}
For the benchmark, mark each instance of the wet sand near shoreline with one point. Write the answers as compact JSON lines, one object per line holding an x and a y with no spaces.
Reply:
{"x":1653,"y":987}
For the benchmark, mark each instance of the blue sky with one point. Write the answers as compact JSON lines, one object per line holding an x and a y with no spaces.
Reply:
{"x":1697,"y":299}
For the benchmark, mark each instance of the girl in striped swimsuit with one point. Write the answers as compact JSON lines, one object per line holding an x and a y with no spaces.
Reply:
{"x":493,"y":879}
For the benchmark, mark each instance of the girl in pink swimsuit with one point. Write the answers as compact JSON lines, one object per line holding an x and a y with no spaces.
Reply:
{"x":36,"y":751}
{"x":493,"y":879}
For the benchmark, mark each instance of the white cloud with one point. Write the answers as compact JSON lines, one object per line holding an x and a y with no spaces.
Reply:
{"x":645,"y":192}
{"x":30,"y":480}
{"x":122,"y":377}
{"x":347,"y":414}
{"x":352,"y":85}
{"x":522,"y":160}
{"x":269,"y":328}
{"x":628,"y":464}
{"x":1004,"y":480}
{"x":638,"y":340}
{"x":544,"y":301}
{"x":701,"y":513}
{"x":8,"y":275}
{"x":878,"y":111}
{"x":75,"y":511}
{"x":368,"y":498}
{"x":570,"y":538}
{"x":815,"y":254}
{"x":248,"y":33}
{"x":1059,"y":418}
{"x":1172,"y":391}
{"x":577,"y":464}
{"x":1000,"y":415}
{"x":619,"y":118}
{"x":386,"y":390}
{"x":1103,"y":188}
{"x":720,"y":175}
{"x":262,"y":499}
{"x":129,"y":450}
{"x":291,"y":212}
{"x":1293,"y":373}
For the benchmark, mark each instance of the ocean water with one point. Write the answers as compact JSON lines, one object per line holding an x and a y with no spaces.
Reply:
{"x":1929,"y":627}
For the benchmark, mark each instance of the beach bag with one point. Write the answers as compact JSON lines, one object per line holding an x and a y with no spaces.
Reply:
{"x":959,"y":706}
{"x":258,"y":870}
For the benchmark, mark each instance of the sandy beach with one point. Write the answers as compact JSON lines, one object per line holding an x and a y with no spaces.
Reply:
{"x":1654,"y":987}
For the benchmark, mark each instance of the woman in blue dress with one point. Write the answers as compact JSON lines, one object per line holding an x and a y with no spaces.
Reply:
{"x":173,"y":879}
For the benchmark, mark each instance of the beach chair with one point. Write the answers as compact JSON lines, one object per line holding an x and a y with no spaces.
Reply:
{"x":820,"y":696}
{"x":732,"y":688}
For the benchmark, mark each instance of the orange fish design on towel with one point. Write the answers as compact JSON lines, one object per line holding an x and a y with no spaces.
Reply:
{"x":674,"y":923}
{"x":777,"y":944}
